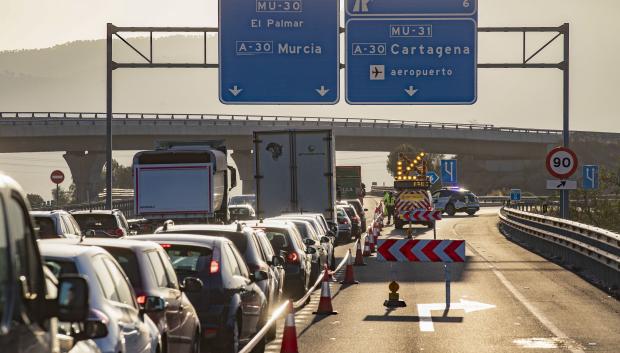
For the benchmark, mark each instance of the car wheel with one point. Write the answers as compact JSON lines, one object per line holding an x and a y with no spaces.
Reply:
{"x":471,"y":213}
{"x":450,"y":209}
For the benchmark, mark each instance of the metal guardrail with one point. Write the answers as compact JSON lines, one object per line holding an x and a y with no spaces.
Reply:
{"x":582,"y":246}
{"x":220,"y":119}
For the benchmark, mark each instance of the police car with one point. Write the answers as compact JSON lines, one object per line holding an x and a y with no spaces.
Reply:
{"x":455,"y":199}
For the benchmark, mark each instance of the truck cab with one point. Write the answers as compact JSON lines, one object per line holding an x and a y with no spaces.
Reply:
{"x":29,"y":306}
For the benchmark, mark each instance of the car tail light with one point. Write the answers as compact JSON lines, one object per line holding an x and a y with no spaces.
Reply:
{"x":118,"y":232}
{"x":343,"y":221}
{"x":214,"y":267}
{"x":166,"y":246}
{"x":210,"y":332}
{"x":141,"y":299}
{"x":292,"y":258}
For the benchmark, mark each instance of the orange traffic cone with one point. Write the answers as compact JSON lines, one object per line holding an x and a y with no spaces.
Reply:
{"x":325,"y":304}
{"x":367,"y":246}
{"x":349,"y":278}
{"x":372,"y":241}
{"x":289,"y":337}
{"x":359,"y":257}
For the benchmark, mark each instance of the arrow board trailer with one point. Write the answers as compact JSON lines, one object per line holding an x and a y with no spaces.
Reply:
{"x":295,"y":172}
{"x":182,"y":182}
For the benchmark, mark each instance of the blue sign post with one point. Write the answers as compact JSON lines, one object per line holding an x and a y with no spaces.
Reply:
{"x":432,"y":177}
{"x":515,"y":195}
{"x":279,"y":51}
{"x":448,"y":172}
{"x":590,"y":177}
{"x":427,"y":55}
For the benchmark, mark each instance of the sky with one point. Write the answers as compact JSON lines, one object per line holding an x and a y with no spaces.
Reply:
{"x":524,"y":98}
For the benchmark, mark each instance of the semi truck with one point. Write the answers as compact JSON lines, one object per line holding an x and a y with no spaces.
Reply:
{"x":184,"y":182}
{"x":349,"y":183}
{"x":295,"y":172}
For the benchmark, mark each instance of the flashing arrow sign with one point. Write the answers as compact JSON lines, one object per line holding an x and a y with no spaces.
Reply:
{"x":425,"y":311}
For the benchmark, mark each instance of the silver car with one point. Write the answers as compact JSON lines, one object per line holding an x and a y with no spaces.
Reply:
{"x":111,"y":297}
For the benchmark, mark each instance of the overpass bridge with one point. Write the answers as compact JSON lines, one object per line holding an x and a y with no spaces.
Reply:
{"x":496,"y":149}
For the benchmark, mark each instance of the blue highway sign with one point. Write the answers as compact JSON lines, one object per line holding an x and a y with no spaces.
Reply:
{"x":425,"y":8}
{"x":433,"y":177}
{"x":515,"y":195}
{"x":279,"y":51}
{"x":411,"y":61}
{"x":448,"y":171}
{"x":590,"y":177}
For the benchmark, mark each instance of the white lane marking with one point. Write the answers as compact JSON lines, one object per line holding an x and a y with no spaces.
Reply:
{"x":571,"y":344}
{"x":538,"y":342}
{"x":425,"y":311}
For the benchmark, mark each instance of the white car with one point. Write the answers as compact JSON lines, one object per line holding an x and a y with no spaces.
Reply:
{"x":453,"y":200}
{"x":56,"y":224}
{"x":112,"y":299}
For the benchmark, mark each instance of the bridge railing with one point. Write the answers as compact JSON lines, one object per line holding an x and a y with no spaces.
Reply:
{"x":265,"y":120}
{"x":591,"y":251}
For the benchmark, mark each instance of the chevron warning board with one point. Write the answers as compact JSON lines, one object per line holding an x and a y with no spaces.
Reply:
{"x":420,"y":215}
{"x":421,"y":250}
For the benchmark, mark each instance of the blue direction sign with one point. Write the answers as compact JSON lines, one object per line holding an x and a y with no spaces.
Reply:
{"x":590,"y":177}
{"x":515,"y":195}
{"x":411,"y":8}
{"x":448,"y":171}
{"x":279,"y":51}
{"x":433,"y":177}
{"x":413,"y":61}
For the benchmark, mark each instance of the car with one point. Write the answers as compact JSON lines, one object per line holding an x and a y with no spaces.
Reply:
{"x":28,"y":290}
{"x":356,"y":221}
{"x":360,"y":210}
{"x":105,"y":223}
{"x":247,"y":242}
{"x":247,"y":199}
{"x":55,"y":224}
{"x":231,"y":307}
{"x":345,"y":227}
{"x":327,"y":237}
{"x":311,"y":239}
{"x":288,"y":242}
{"x":455,"y":199}
{"x":241,"y":212}
{"x":153,"y":278}
{"x":111,"y":300}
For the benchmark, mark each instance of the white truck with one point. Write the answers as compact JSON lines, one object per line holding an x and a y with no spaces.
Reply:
{"x":295,"y":172}
{"x":184,"y":182}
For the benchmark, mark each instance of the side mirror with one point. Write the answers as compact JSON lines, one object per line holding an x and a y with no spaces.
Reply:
{"x":277,"y":260}
{"x":94,"y":329}
{"x":192,"y":285}
{"x":259,"y":275}
{"x":325,"y":240}
{"x":72,"y":299}
{"x":309,"y":242}
{"x":310,"y":250}
{"x":154,"y":304}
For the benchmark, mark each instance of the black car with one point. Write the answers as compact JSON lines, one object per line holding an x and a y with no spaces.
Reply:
{"x":231,"y":306}
{"x":356,"y":221}
{"x":288,"y":242}
{"x":247,"y":242}
{"x":153,"y":278}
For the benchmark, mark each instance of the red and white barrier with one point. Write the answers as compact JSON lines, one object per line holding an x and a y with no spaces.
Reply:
{"x":421,"y":250}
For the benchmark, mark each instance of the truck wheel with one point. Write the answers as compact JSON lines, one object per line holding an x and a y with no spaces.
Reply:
{"x":450,"y":209}
{"x":398,"y":224}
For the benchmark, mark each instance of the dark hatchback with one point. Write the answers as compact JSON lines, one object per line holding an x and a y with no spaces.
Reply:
{"x":153,"y":279}
{"x":231,"y":306}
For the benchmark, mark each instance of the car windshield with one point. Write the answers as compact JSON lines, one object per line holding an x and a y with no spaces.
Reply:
{"x":242,"y":200}
{"x":186,"y":258}
{"x":47,"y":230}
{"x":61,"y":267}
{"x":277,"y":239}
{"x":239,"y":211}
{"x":341,"y":213}
{"x":239,"y":239}
{"x":89,"y":221}
{"x":350,"y":212}
{"x":129,"y":262}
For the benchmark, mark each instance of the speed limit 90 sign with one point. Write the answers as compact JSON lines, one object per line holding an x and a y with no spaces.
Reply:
{"x":561,"y":162}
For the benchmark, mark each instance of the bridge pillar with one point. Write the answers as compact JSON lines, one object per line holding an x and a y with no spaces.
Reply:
{"x":86,"y":170}
{"x":245,"y":168}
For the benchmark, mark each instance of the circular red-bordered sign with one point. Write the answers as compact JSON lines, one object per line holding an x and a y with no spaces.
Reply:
{"x":561,"y":162}
{"x":57,"y":177}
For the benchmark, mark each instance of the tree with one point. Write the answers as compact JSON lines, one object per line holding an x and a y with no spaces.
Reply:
{"x":65,"y":196}
{"x":35,"y":200}
{"x":121,"y":176}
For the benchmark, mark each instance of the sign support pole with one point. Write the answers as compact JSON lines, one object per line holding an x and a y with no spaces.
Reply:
{"x":58,"y":196}
{"x":446,"y":267}
{"x":564,"y":194}
{"x":108,"y":141}
{"x":434,"y":230}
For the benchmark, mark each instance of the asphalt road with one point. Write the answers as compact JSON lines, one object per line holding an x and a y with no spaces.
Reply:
{"x":515,"y":301}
